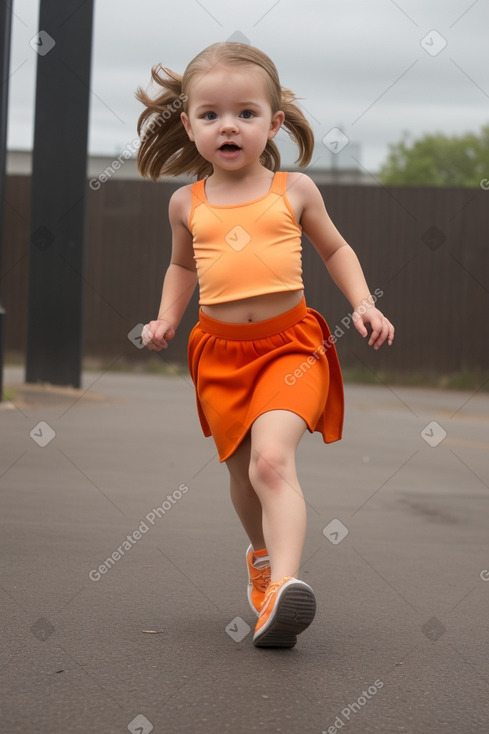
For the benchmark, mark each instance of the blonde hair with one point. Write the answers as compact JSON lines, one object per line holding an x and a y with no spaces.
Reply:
{"x":165,"y":147}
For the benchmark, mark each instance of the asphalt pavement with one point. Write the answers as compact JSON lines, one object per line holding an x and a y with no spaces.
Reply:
{"x":123,"y":586}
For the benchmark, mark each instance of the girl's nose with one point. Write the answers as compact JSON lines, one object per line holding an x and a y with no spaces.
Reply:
{"x":229,"y":124}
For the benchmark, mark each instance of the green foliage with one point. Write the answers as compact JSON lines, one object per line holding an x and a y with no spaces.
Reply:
{"x":438,"y":160}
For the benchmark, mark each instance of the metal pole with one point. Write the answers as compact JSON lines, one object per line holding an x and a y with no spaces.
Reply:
{"x":59,"y":165}
{"x":5,"y":34}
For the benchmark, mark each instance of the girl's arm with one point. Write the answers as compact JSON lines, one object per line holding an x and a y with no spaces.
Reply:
{"x":342,"y":264}
{"x":180,"y":278}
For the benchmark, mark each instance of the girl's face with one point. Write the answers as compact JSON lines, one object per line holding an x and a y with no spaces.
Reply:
{"x":230,"y":117}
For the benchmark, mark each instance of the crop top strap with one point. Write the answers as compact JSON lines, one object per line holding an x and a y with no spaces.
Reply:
{"x":198,"y":191}
{"x":198,"y":196}
{"x":279,"y":185}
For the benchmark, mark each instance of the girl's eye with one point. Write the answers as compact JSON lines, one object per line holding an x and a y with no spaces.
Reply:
{"x":209,"y":116}
{"x":247,"y":114}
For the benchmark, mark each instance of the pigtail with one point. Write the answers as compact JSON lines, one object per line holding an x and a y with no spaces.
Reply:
{"x":270,"y":158}
{"x":298,"y":127}
{"x":165,"y":147}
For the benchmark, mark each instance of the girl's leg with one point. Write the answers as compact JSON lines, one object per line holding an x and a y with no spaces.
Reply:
{"x":275,"y":436}
{"x":243,"y":496}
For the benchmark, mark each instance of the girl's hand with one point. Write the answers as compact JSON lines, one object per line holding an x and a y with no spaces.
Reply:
{"x":157,"y":334}
{"x":382,"y":328}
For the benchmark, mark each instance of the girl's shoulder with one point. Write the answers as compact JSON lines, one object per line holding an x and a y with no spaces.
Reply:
{"x":301,"y":191}
{"x":181,"y":204}
{"x":300,"y":180}
{"x":182,"y":194}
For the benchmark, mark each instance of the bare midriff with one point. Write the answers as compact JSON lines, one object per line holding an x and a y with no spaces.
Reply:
{"x":257,"y":308}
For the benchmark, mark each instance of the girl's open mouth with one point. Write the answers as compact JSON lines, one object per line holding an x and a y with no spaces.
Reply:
{"x":229,"y":150}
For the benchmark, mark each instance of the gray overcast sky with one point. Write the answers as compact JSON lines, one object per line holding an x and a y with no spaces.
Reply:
{"x":359,"y":66}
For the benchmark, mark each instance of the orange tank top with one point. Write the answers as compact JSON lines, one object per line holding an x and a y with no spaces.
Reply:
{"x":248,"y":249}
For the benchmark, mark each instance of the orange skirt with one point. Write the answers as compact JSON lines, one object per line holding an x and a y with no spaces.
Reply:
{"x":240,"y":371}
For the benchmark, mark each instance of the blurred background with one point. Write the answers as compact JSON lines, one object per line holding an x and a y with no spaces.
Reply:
{"x":397,"y":94}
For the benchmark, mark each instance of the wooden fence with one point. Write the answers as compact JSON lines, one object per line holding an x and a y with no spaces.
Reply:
{"x":426,"y":249}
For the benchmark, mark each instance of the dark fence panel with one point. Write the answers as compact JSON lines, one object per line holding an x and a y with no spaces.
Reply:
{"x":425,"y":248}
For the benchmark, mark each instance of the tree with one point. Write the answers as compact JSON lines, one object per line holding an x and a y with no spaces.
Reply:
{"x":438,"y":160}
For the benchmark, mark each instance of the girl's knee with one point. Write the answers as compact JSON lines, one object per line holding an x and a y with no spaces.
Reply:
{"x":270,"y":467}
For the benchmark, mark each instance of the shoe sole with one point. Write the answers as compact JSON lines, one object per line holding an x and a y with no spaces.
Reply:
{"x":294,"y":610}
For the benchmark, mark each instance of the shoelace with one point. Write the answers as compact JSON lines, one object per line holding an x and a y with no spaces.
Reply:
{"x":270,"y":590}
{"x":262,"y":579}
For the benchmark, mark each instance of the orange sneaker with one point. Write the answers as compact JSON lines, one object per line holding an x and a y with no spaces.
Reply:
{"x":258,"y":578}
{"x":288,"y":608}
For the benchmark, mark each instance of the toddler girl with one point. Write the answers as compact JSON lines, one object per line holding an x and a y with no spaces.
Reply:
{"x":264,"y":364}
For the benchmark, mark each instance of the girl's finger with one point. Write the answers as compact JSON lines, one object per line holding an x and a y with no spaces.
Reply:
{"x":384,"y":333}
{"x":360,"y":326}
{"x":376,"y":325}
